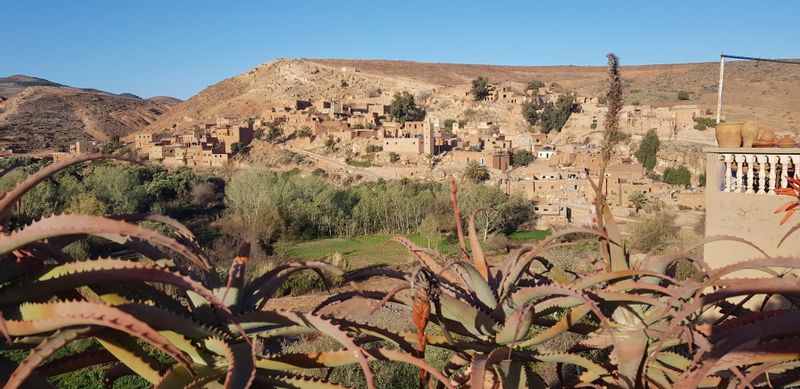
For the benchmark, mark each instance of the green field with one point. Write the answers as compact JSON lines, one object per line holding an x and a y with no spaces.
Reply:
{"x":360,"y":251}
{"x":371,"y":250}
{"x":359,"y":163}
{"x":529,"y":235}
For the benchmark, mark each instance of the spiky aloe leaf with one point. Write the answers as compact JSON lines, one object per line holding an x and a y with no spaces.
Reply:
{"x":480,"y":362}
{"x":516,"y":326}
{"x":423,"y":256}
{"x":74,"y":362}
{"x":115,"y":372}
{"x":240,"y":357}
{"x":312,"y":360}
{"x":43,"y":351}
{"x":476,"y":281}
{"x":179,"y":377}
{"x":82,"y":273}
{"x":42,"y":318}
{"x":286,"y":380}
{"x":563,"y":325}
{"x":593,"y":370}
{"x":131,"y":354}
{"x":478,"y":258}
{"x":114,"y":230}
{"x":258,"y":292}
{"x":322,"y":324}
{"x":518,"y":375}
{"x":399,"y":356}
{"x":7,"y":367}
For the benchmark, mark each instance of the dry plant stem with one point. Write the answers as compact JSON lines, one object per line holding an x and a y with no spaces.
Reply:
{"x":457,"y":215}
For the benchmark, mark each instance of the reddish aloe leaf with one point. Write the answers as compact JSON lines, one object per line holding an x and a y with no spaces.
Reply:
{"x":75,"y":274}
{"x":286,"y":380}
{"x":457,"y":215}
{"x":43,"y":318}
{"x":478,"y":258}
{"x":258,"y":292}
{"x":116,"y":230}
{"x":75,"y":362}
{"x":241,"y":361}
{"x":41,"y":352}
{"x":421,"y":254}
{"x":480,"y":363}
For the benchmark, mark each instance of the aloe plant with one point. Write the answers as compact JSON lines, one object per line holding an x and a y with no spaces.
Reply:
{"x":210,"y":329}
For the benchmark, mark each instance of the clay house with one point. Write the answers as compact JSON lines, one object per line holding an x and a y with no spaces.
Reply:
{"x":547,"y":215}
{"x":546,"y":152}
{"x":84,"y":146}
{"x":409,"y":138}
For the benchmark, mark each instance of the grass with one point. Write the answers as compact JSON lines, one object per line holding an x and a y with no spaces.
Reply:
{"x":359,"y":163}
{"x":360,"y":251}
{"x":529,"y":235}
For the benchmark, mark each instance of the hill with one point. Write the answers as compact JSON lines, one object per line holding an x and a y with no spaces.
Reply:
{"x":38,"y":114}
{"x":766,"y":92}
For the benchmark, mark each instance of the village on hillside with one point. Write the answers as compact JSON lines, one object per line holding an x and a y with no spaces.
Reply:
{"x":364,"y":138}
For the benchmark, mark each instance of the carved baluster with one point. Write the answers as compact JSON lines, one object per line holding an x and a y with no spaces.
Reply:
{"x":762,"y":175}
{"x":750,"y":158}
{"x":795,"y":161}
{"x":739,"y":173}
{"x":784,"y":170}
{"x":773,"y":174}
{"x":728,"y":158}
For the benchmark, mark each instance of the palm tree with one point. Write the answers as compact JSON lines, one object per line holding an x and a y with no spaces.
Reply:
{"x":476,"y":172}
{"x":637,"y":199}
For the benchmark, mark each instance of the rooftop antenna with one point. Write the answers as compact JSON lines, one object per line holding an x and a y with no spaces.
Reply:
{"x":722,"y":74}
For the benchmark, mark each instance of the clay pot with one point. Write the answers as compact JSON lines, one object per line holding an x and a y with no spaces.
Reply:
{"x":786,"y":142}
{"x":750,"y":132}
{"x":729,"y":135}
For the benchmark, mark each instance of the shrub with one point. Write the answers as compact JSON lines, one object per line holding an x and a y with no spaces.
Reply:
{"x":555,"y":115}
{"x":448,"y":125}
{"x":521,"y":158}
{"x":683,"y":95}
{"x":647,"y":153}
{"x":480,"y":88}
{"x":403,"y":108}
{"x":394,"y":157}
{"x":374,"y":148}
{"x":535,"y":85}
{"x":593,"y":126}
{"x":529,"y":112}
{"x":652,"y":233}
{"x":304,"y":132}
{"x":678,"y":176}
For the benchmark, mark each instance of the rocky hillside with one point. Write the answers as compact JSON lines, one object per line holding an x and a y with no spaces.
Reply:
{"x":765,"y":92}
{"x":40,"y":114}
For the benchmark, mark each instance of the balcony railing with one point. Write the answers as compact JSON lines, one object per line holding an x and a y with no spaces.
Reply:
{"x":754,"y":170}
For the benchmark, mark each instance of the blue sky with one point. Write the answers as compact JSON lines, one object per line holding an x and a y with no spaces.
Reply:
{"x":177,"y":48}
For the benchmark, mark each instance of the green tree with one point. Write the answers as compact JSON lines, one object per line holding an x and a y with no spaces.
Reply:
{"x":701,"y":179}
{"x":637,"y":200}
{"x":678,"y":176}
{"x":521,"y":158}
{"x":304,"y":132}
{"x":429,"y":229}
{"x":403,"y":108}
{"x":535,"y":85}
{"x":475,"y":172}
{"x":480,"y":88}
{"x":647,"y":154}
{"x":274,"y":133}
{"x":683,"y":95}
{"x":330,"y":143}
{"x":394,"y":157}
{"x":448,"y":125}
{"x":555,"y":115}
{"x":86,"y":204}
{"x":530,"y":112}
